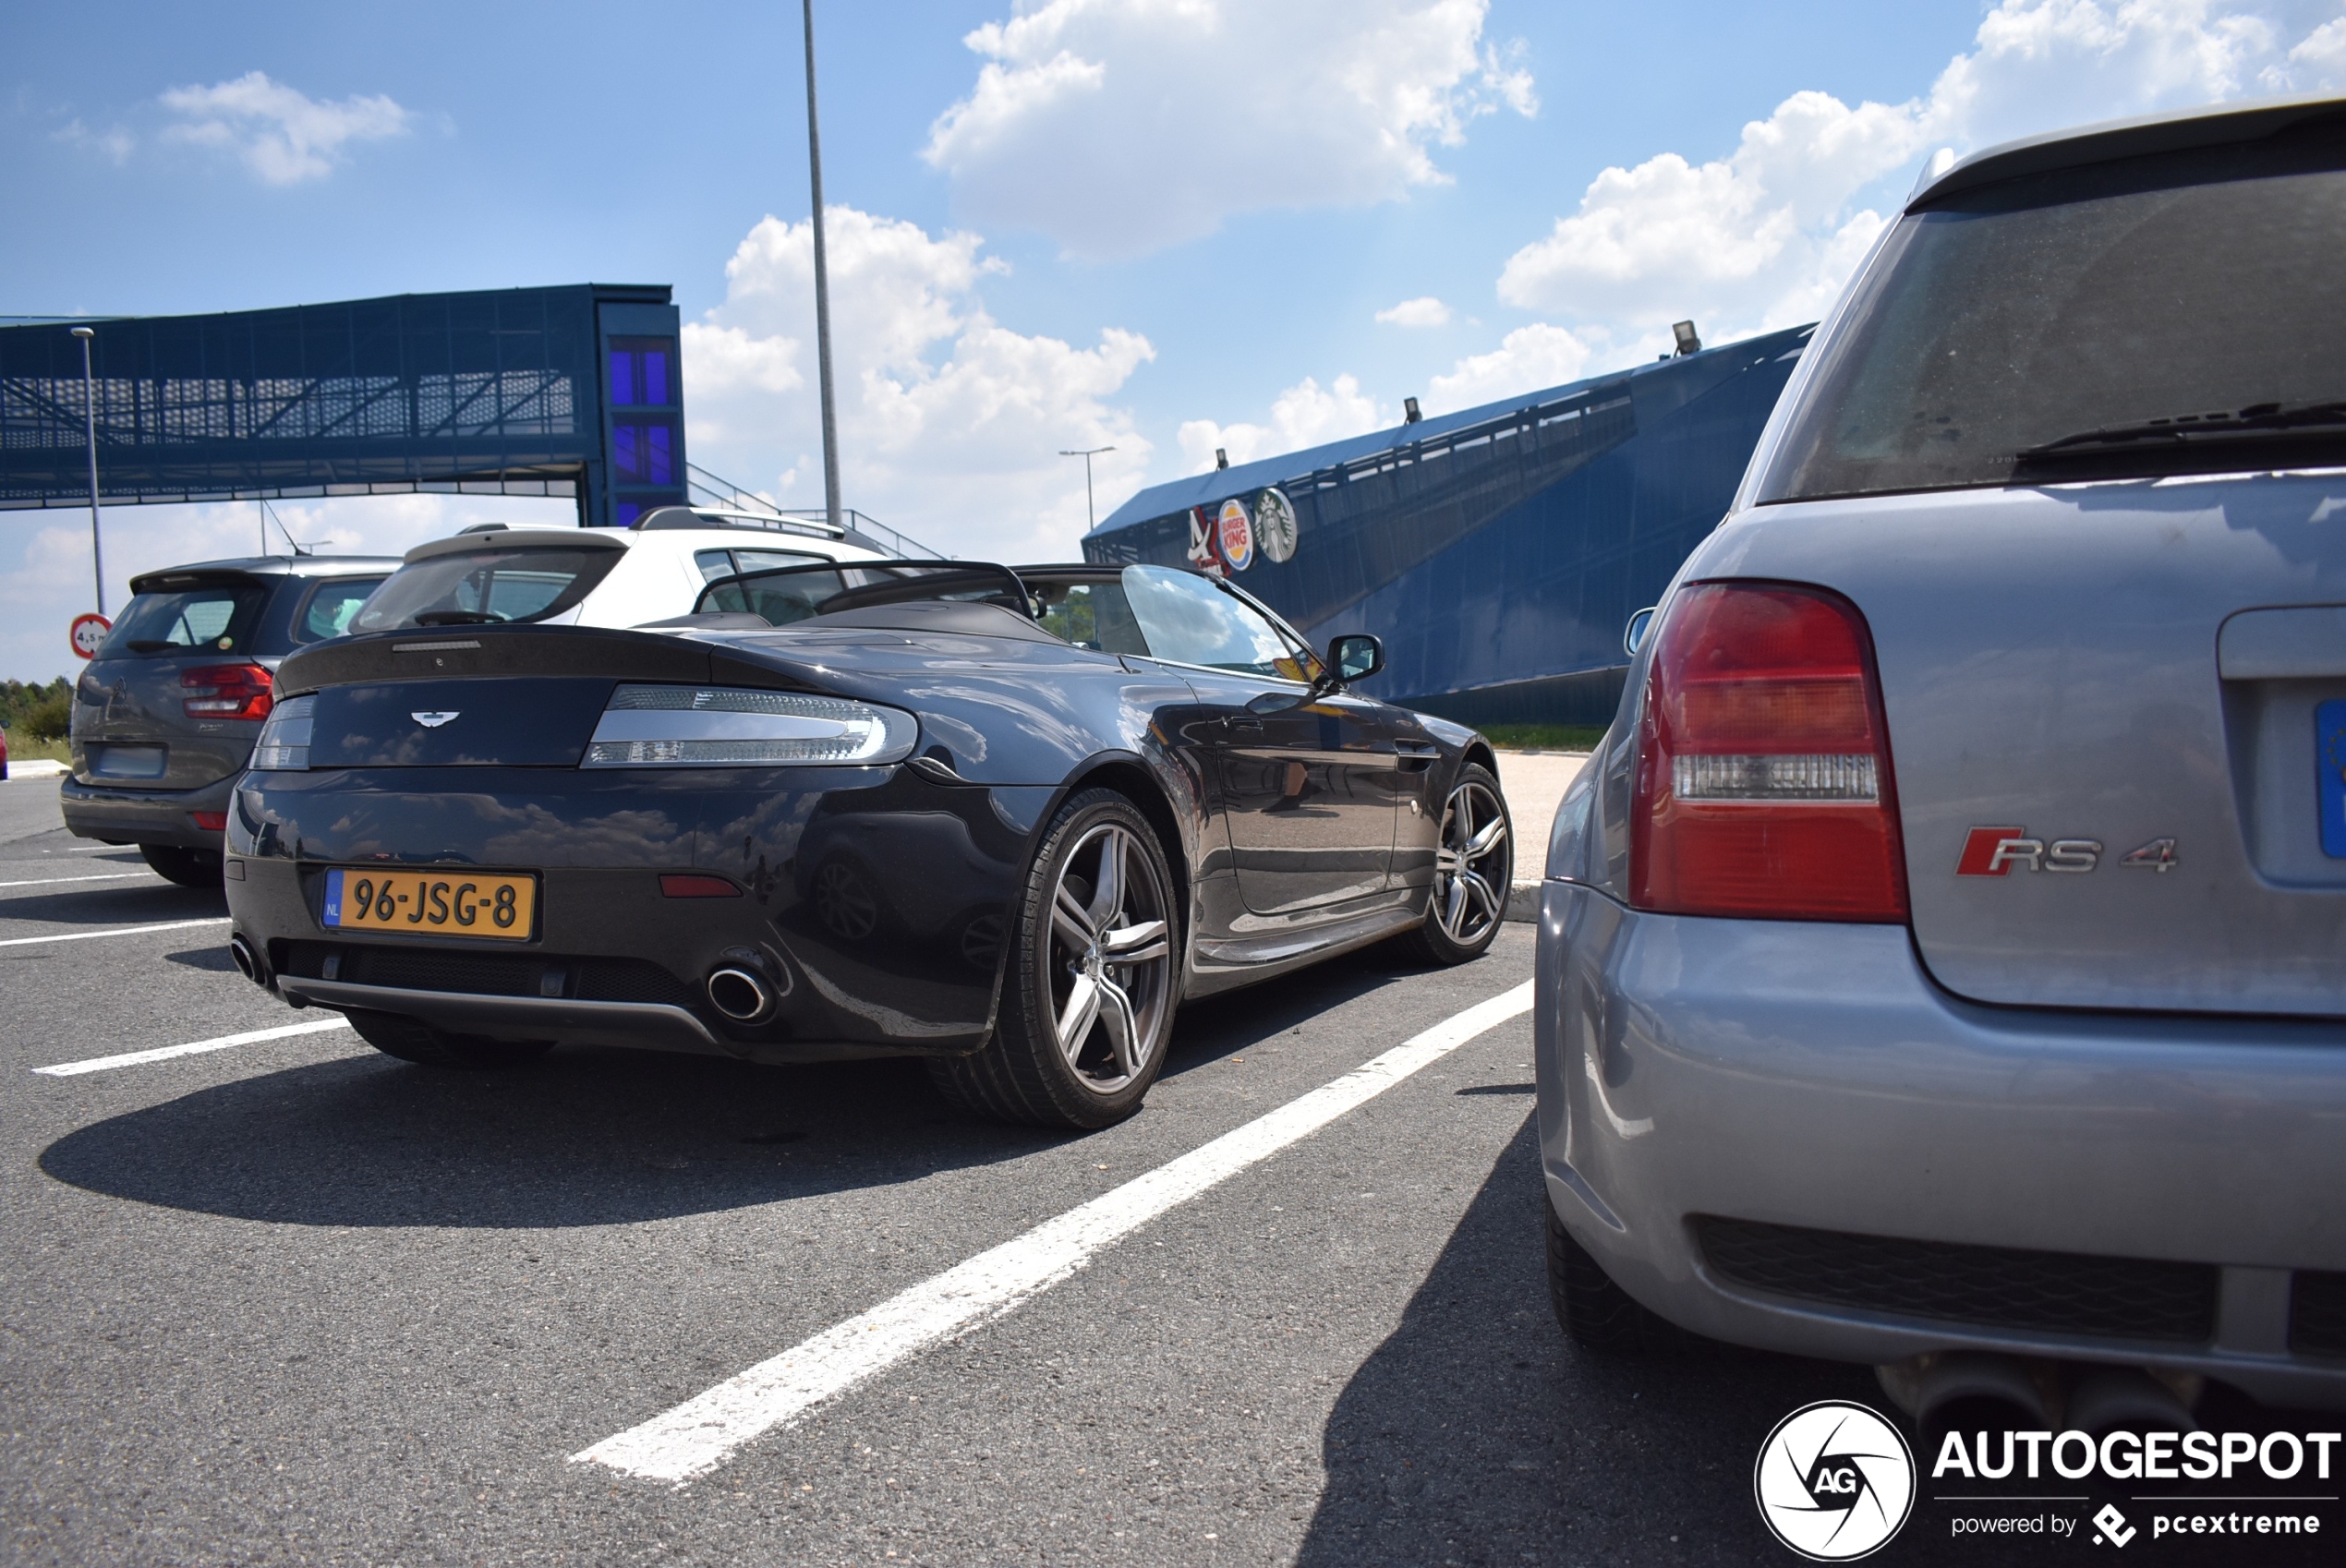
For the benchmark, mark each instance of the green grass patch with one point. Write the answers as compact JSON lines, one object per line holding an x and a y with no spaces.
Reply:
{"x":1544,"y":737}
{"x":24,"y":748}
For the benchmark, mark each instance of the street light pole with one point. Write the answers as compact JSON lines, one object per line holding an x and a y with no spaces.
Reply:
{"x":89,"y":426}
{"x":822,"y":286}
{"x":1091,"y":519}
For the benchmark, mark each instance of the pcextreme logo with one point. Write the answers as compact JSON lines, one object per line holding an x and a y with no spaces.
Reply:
{"x":1835,"y":1481}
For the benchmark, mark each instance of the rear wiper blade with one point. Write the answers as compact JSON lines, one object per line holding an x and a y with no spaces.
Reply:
{"x":457,"y":618}
{"x":2190,"y":429}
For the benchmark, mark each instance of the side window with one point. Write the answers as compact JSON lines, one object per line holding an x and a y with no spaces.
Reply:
{"x":761,"y":560}
{"x":1188,"y":621}
{"x":779,"y":599}
{"x":716,"y":563}
{"x":1095,"y":616}
{"x":333,"y":606}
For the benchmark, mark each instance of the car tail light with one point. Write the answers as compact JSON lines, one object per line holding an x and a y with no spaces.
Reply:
{"x":227,"y":690}
{"x":210,"y":821}
{"x":1763,"y":786}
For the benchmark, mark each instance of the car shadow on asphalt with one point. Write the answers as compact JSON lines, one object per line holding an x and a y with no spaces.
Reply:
{"x":122,"y":904}
{"x":1209,"y":1031}
{"x":1477,"y":1434}
{"x":586,"y":1136}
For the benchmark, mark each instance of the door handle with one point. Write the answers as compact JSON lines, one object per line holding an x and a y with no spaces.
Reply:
{"x":1246,"y":724}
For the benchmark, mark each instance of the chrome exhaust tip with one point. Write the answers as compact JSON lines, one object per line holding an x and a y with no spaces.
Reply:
{"x":248,"y":959}
{"x":740,"y":995}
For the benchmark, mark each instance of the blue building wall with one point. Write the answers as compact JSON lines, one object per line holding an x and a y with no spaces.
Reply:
{"x":1499,"y":551}
{"x":574,"y":390}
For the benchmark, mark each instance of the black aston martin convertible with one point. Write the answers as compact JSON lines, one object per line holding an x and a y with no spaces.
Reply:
{"x":1005,"y":819}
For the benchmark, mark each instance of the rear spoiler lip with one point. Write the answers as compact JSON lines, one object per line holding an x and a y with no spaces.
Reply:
{"x":440,"y":653}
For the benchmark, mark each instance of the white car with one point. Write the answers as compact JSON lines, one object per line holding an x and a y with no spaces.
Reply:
{"x":637,"y":576}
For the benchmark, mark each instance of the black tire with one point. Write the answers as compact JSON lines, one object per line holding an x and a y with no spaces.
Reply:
{"x":1597,"y":1314}
{"x":411,"y":1040}
{"x":1022,"y":1074}
{"x":189,"y":868}
{"x":1434,"y":941}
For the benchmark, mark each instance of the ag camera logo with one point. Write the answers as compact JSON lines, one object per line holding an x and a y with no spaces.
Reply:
{"x":1835,"y":1481}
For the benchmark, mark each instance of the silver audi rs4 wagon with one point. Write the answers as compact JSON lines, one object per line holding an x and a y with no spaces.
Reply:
{"x":1942,"y":961}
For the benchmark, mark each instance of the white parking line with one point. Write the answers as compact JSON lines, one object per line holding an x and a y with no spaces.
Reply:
{"x":102,"y":876}
{"x":699,"y":1434}
{"x":112,"y":931}
{"x":194,"y":1048}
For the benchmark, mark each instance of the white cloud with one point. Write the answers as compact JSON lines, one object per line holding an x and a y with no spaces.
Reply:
{"x":1766,"y":236}
{"x":1528,"y":359}
{"x":950,"y":424}
{"x":1423,"y":311}
{"x":1304,"y":414}
{"x":282,"y":134}
{"x":2316,"y":64}
{"x":114,"y":144}
{"x":1122,"y":126}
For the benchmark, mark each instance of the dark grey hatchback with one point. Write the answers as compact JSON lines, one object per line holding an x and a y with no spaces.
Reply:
{"x":164,"y":718}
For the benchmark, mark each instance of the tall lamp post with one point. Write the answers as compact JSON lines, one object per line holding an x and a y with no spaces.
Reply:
{"x":90,"y":425}
{"x":822,"y":287}
{"x":1090,"y":520}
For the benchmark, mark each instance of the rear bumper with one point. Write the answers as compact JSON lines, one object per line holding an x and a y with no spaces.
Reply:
{"x":872,"y":902}
{"x":1811,"y":1076}
{"x":118,"y":814}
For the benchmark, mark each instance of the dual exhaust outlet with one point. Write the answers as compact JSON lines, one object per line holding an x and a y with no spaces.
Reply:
{"x":736,"y":990}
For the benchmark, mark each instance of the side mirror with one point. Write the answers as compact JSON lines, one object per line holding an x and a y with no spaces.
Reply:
{"x":1639,"y":625}
{"x":1354,"y":657}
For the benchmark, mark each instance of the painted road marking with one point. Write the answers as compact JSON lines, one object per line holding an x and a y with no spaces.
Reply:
{"x":113,"y":931}
{"x":194,"y":1048}
{"x":701,"y":1433}
{"x":102,"y":876}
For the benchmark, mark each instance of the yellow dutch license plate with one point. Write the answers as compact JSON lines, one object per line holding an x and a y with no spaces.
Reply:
{"x":442,"y":902}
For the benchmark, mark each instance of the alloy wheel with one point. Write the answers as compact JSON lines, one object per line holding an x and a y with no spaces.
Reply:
{"x":1111,"y":958}
{"x":1474,"y":864}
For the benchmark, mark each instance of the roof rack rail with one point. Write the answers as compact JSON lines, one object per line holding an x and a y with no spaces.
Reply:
{"x":732,"y":517}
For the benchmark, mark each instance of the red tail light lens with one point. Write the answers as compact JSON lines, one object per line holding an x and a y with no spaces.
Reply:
{"x":227,"y":690}
{"x":673,"y":885}
{"x":1763,"y":785}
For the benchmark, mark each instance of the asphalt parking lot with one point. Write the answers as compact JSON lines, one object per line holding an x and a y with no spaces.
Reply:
{"x":290,"y":1301}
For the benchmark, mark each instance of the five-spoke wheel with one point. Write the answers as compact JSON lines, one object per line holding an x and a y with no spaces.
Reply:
{"x":1092,"y":981}
{"x":1473,"y":869}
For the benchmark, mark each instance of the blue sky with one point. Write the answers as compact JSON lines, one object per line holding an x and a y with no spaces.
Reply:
{"x":1164,"y":224}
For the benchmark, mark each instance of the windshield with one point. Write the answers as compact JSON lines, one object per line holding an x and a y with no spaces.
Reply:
{"x":218,"y":618}
{"x":484,"y":587}
{"x":1189,"y":620}
{"x":2028,"y":313}
{"x":799,"y":592}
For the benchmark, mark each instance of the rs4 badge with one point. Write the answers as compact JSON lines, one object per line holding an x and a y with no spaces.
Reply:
{"x":1995,"y":852}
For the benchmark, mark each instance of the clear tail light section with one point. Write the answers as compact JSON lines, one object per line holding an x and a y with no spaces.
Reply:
{"x":226,"y":691}
{"x":1763,"y":786}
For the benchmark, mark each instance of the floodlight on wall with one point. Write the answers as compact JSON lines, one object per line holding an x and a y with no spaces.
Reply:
{"x":1688,"y":343}
{"x":1409,"y":415}
{"x":1221,"y":458}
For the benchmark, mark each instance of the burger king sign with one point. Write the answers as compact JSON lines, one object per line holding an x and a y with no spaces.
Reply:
{"x":1234,"y":535}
